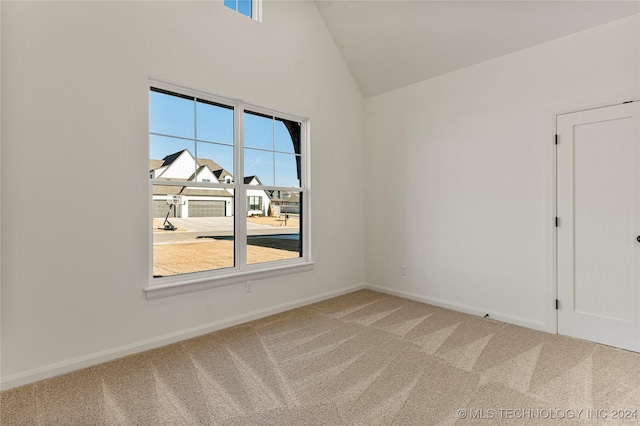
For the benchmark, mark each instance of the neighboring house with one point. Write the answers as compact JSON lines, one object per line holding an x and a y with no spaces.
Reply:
{"x":258,"y":200}
{"x":285,"y":202}
{"x":198,"y":201}
{"x":222,"y":175}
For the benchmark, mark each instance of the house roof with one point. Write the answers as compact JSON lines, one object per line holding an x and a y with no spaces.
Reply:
{"x":215,"y":168}
{"x":155,"y":164}
{"x":172,"y":157}
{"x":285,"y":196}
{"x":193,"y":176}
{"x":219,"y":171}
{"x":222,"y":173}
{"x":248,"y":179}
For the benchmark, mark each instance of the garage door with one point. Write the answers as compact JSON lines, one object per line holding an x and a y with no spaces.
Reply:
{"x":160,"y":209}
{"x":209,"y":208}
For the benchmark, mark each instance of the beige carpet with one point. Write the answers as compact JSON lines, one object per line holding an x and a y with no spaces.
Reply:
{"x":361,"y":359}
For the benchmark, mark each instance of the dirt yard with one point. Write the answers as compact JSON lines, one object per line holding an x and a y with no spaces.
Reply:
{"x":275,"y":221}
{"x":208,"y":253}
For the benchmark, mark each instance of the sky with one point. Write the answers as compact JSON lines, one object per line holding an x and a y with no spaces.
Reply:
{"x":242,"y":6}
{"x":207,"y":130}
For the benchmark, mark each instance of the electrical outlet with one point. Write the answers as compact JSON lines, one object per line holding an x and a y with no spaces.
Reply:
{"x":247,"y":287}
{"x":403,"y":270}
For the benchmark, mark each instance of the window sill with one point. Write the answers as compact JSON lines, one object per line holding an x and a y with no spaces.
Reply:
{"x":192,"y":284}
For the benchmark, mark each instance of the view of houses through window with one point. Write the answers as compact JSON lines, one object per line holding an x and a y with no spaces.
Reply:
{"x":197,"y":222}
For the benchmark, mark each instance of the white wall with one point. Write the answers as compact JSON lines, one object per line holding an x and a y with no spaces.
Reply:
{"x":75,"y":81}
{"x":471,"y":157}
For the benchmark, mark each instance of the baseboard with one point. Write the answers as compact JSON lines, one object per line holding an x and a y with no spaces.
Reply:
{"x":64,"y":367}
{"x":472,"y":310}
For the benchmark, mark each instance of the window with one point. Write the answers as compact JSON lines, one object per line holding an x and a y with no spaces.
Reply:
{"x":254,"y":204}
{"x":250,"y":8}
{"x":199,"y":145}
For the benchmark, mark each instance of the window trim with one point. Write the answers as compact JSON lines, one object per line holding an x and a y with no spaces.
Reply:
{"x":256,"y":10}
{"x":241,"y":271}
{"x":198,"y":284}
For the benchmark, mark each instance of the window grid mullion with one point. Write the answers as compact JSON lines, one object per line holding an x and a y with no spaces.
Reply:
{"x":195,"y":137}
{"x":165,"y":135}
{"x":273,"y":147}
{"x":267,"y":150}
{"x":240,"y":214}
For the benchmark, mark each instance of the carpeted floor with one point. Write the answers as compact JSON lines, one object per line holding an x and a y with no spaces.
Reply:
{"x":361,"y":359}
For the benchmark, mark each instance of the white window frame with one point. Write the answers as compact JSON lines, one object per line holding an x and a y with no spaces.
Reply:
{"x":241,"y":272}
{"x":256,"y":10}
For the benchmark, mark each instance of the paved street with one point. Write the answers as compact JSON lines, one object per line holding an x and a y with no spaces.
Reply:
{"x":190,"y":229}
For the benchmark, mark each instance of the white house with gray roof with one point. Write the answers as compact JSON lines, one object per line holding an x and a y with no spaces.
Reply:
{"x":186,"y":202}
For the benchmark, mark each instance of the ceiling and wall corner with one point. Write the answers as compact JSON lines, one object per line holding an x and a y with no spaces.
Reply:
{"x":394,"y":43}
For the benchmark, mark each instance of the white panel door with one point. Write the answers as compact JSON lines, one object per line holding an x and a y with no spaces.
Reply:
{"x":598,"y":178}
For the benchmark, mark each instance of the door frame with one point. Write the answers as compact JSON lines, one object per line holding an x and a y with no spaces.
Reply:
{"x":551,"y":274}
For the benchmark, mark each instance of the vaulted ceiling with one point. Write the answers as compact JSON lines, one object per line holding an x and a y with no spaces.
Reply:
{"x":388,"y":44}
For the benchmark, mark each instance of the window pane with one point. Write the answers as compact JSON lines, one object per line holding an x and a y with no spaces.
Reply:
{"x":231,"y":4}
{"x":244,"y":7}
{"x":284,"y":143}
{"x":215,"y":123}
{"x":255,"y":204}
{"x":258,"y":131}
{"x":171,"y":158}
{"x":287,"y":170}
{"x":276,"y":236}
{"x":171,"y":115}
{"x":214,"y":159}
{"x":193,"y":230}
{"x":259,"y":164}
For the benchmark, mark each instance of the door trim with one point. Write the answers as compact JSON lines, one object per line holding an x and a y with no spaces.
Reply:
{"x":551,"y":255}
{"x":551,"y":293}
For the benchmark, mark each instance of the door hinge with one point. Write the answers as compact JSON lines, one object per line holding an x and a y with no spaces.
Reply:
{"x":557,"y":304}
{"x":557,"y":221}
{"x":556,"y":139}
